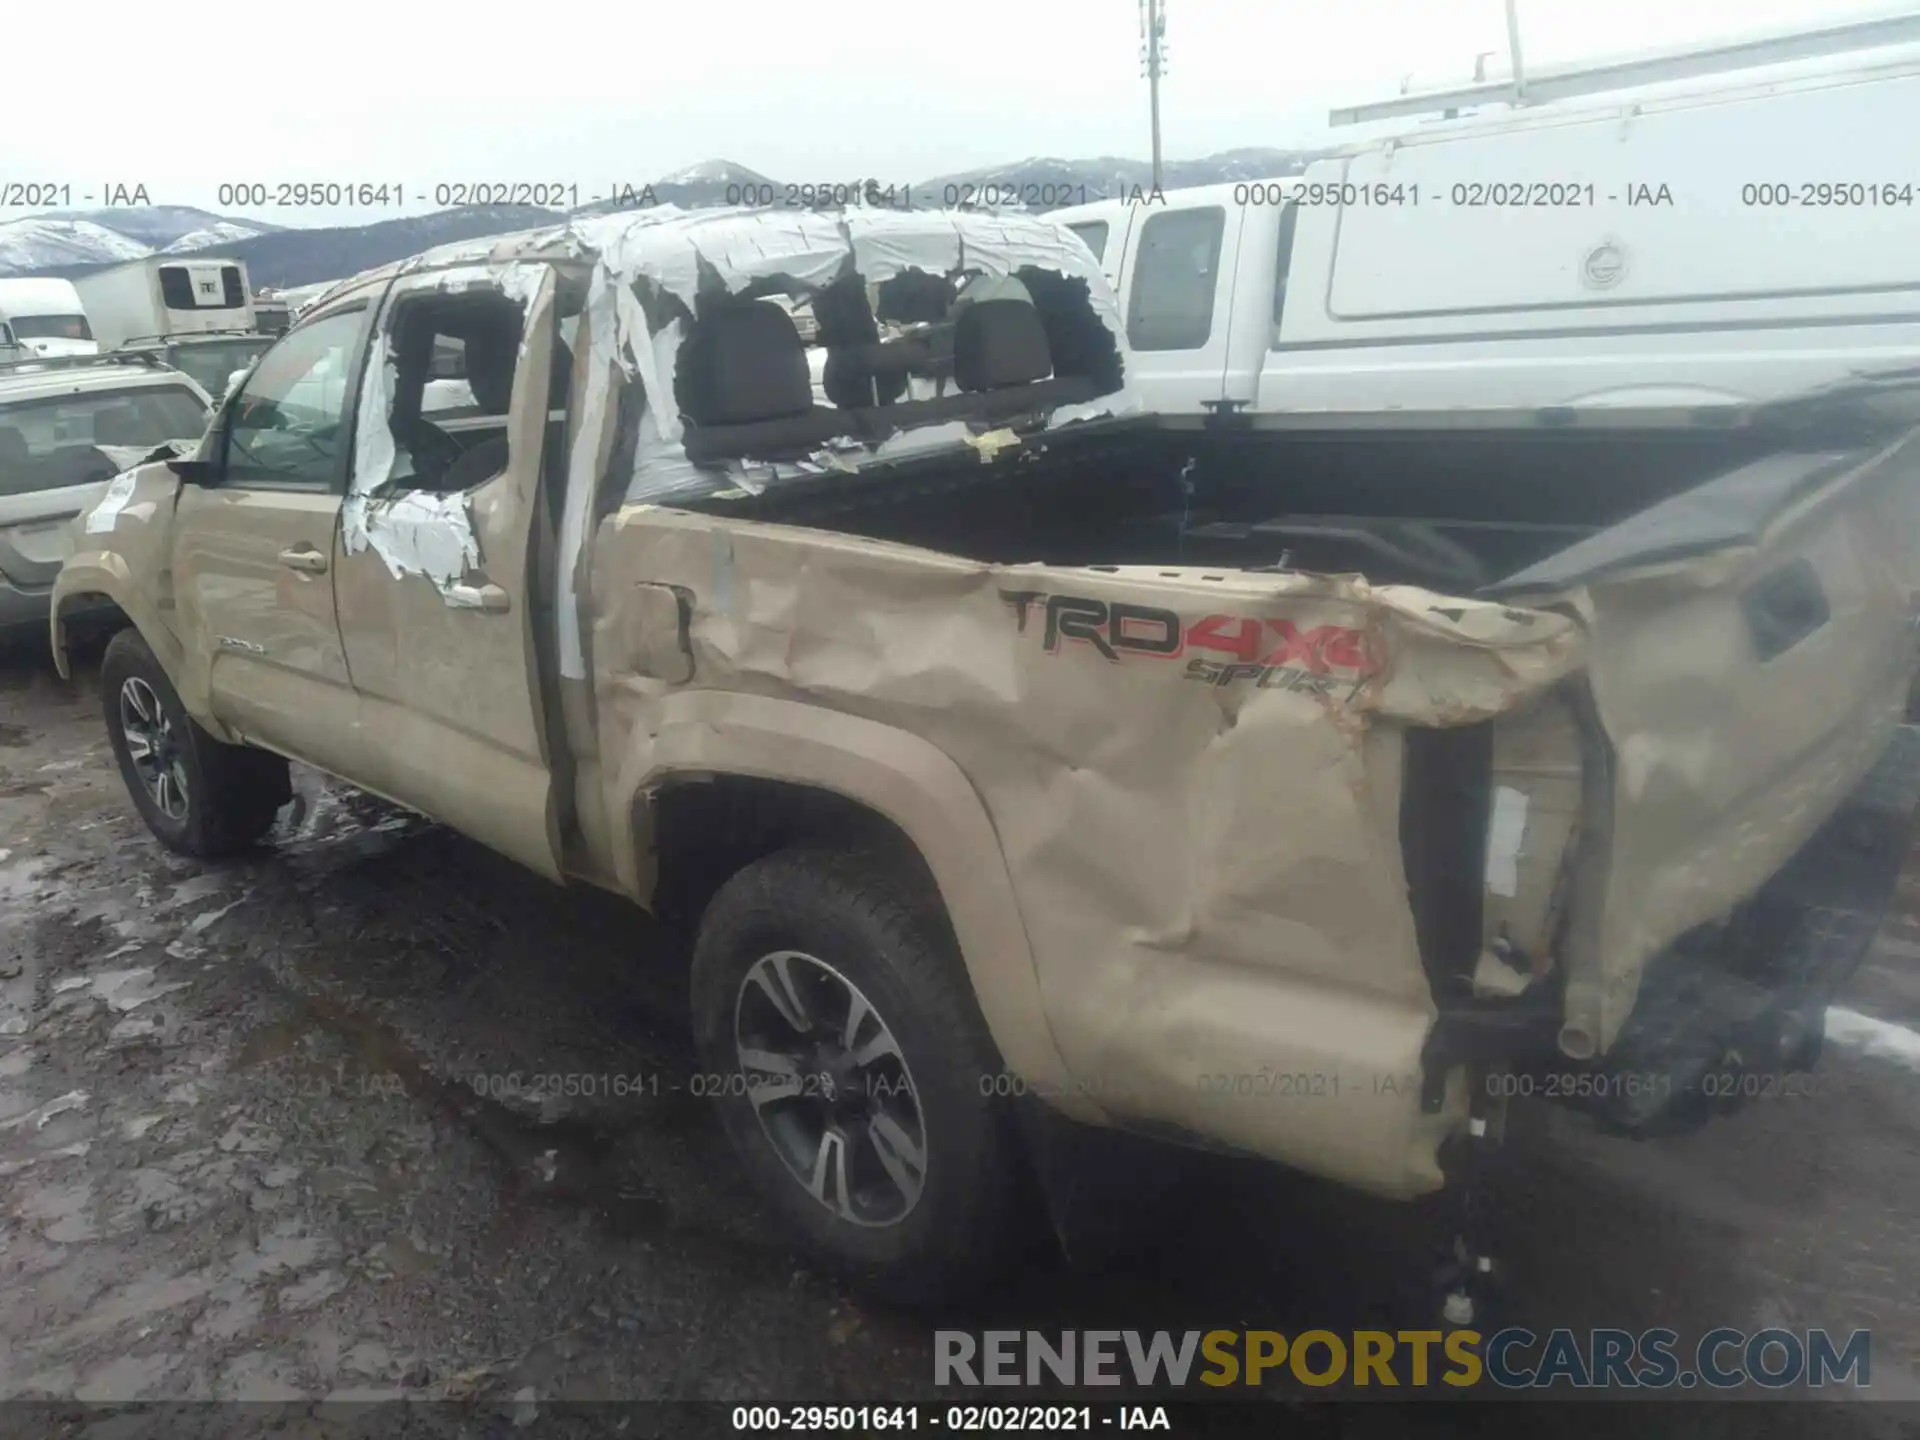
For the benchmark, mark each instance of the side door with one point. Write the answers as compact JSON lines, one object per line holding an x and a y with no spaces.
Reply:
{"x":437,"y":577}
{"x":1104,"y":231}
{"x":1179,"y":302}
{"x":252,"y":550}
{"x":1267,"y":238}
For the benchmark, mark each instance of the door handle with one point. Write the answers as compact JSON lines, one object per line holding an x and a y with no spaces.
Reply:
{"x":306,"y":558}
{"x":488,"y":597}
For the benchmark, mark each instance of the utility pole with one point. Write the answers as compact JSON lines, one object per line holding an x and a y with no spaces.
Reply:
{"x":1153,"y":60}
{"x":1513,"y":47}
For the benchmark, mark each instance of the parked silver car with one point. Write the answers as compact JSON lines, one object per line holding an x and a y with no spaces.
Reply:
{"x":68,"y":425}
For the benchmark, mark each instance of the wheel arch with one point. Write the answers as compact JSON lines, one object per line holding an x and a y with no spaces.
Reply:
{"x":903,"y":783}
{"x":104,"y":575}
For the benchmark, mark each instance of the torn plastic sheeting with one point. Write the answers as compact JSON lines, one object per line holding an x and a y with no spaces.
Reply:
{"x":519,"y":281}
{"x":676,"y":250}
{"x":582,"y":469}
{"x":1127,"y":402}
{"x":418,"y":533}
{"x":1506,"y":833}
{"x":738,"y":246}
{"x":927,"y":437}
{"x":373,"y":443}
{"x":106,"y":514}
{"x":480,"y":250}
{"x":888,"y":243}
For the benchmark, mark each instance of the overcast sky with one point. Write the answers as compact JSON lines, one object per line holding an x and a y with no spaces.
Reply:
{"x":182,"y":98}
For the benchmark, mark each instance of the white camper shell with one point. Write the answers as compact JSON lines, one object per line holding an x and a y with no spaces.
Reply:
{"x":44,"y":317}
{"x":1611,"y":257}
{"x":166,"y":296}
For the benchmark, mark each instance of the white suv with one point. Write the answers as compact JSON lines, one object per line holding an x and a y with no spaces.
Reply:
{"x":67,"y":426}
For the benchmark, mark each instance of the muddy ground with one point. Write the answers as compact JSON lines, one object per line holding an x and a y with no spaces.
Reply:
{"x":243,"y":1153}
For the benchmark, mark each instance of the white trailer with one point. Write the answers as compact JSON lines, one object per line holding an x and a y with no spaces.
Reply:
{"x":164,"y":296}
{"x":44,"y":317}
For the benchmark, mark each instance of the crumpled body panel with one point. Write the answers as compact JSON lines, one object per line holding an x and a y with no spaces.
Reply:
{"x":1194,"y":778}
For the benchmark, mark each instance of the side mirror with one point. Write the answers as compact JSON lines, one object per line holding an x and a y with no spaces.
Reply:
{"x":196,"y":472}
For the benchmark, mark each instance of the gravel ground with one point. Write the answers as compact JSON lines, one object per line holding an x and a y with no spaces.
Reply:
{"x":245,"y":1153}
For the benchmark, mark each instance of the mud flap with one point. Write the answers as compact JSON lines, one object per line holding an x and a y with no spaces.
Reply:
{"x":1102,"y":1189}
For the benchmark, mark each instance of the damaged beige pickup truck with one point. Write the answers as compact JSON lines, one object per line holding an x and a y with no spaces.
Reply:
{"x":998,"y":809}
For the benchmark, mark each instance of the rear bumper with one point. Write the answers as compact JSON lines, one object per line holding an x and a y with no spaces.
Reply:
{"x":22,"y":608}
{"x":24,"y":611}
{"x":1727,"y":1016}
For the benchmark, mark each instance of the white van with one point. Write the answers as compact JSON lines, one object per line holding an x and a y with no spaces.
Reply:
{"x":46,"y":317}
{"x":1625,"y":258}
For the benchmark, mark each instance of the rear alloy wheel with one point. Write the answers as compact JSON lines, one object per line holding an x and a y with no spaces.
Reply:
{"x":197,"y":796}
{"x":831,"y":1089}
{"x":841,"y":1042}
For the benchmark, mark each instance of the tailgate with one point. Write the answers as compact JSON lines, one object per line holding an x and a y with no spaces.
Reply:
{"x":1752,"y":646}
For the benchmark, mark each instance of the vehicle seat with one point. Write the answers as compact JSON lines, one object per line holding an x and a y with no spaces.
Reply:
{"x":13,"y":447}
{"x":491,"y":360}
{"x":1000,"y":351}
{"x":1000,"y":364}
{"x":745,"y":389}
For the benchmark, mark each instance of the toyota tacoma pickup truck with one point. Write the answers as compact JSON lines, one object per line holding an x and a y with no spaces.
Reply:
{"x":1013,"y":770}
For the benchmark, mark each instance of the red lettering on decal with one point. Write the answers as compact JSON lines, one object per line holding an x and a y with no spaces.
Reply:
{"x":1325,"y":648}
{"x":1347,"y":650}
{"x":1242,"y":641}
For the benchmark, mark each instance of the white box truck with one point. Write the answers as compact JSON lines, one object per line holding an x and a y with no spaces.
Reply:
{"x":166,"y":296}
{"x":43,"y":317}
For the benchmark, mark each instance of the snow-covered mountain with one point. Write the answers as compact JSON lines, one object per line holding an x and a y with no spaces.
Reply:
{"x":106,"y":237}
{"x":37,"y":242}
{"x":1045,"y":183}
{"x":70,"y":242}
{"x":713,"y":172}
{"x":711,"y":182}
{"x":221,"y":232}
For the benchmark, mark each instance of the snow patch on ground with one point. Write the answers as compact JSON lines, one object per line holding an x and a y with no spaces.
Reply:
{"x":1880,"y":1039}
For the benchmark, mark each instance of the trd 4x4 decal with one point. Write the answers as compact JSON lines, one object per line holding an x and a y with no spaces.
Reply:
{"x":1272,"y":653}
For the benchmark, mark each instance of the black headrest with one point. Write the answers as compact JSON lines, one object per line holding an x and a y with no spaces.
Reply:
{"x":13,"y":446}
{"x":490,"y":376}
{"x":492,"y":354}
{"x":745,"y":363}
{"x":914,"y":297}
{"x":998,"y":344}
{"x":117,"y":425}
{"x":841,"y":316}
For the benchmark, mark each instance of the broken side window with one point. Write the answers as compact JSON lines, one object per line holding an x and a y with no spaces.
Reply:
{"x":781,"y":377}
{"x":455,"y":357}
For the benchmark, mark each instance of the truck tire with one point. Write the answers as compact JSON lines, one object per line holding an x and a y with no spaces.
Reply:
{"x":842,"y":1045}
{"x":198,"y":796}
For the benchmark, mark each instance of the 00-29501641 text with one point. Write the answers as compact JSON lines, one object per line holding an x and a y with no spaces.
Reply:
{"x":991,"y":1419}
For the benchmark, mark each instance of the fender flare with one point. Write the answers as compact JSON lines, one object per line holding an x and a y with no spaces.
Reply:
{"x":896,"y":774}
{"x":102,"y":572}
{"x":105,"y":572}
